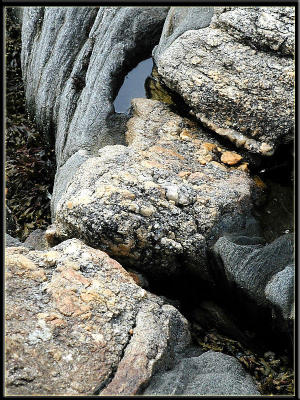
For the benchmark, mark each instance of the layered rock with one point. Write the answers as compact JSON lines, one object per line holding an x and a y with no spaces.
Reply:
{"x":237,"y":74}
{"x":159,"y":202}
{"x":265,"y":273}
{"x":211,"y":373}
{"x":77,"y":322}
{"x":74,"y":60}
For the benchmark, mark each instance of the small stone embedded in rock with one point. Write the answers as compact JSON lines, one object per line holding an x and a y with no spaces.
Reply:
{"x":230,"y":158}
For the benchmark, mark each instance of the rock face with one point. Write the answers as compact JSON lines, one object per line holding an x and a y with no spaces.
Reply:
{"x":211,"y":373}
{"x":159,"y":202}
{"x":77,"y":322}
{"x":236,"y":75}
{"x":11,"y":241}
{"x":264,"y":272}
{"x":74,"y":60}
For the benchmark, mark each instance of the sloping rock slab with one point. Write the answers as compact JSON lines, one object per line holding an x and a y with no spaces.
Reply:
{"x":237,"y":75}
{"x":157,"y":203}
{"x":211,"y":373}
{"x":74,"y":60}
{"x":76,"y":320}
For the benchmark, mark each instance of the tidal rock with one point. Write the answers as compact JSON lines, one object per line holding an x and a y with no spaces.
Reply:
{"x":237,"y":75}
{"x":12,"y":242}
{"x":37,"y":240}
{"x":264,"y":273}
{"x":76,"y":324}
{"x":74,"y":60}
{"x":211,"y":373}
{"x":156,"y":204}
{"x":280,"y":291}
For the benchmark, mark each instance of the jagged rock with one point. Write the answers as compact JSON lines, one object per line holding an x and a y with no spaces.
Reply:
{"x":157,"y":203}
{"x":77,"y":322}
{"x":211,"y":373}
{"x":263,"y":272}
{"x":12,"y":242}
{"x":74,"y":60}
{"x":37,"y":240}
{"x":237,"y":75}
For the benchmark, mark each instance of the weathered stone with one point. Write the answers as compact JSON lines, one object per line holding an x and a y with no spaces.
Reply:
{"x":280,"y":291}
{"x":37,"y":240}
{"x":237,"y":75}
{"x":262,"y":272}
{"x":76,"y":320}
{"x":165,"y":225}
{"x":74,"y":60}
{"x":211,"y":373}
{"x":12,"y":242}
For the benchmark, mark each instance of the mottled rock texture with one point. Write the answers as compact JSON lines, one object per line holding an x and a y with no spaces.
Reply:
{"x":159,"y":202}
{"x":12,"y":242}
{"x":237,"y":74}
{"x":77,"y":322}
{"x":211,"y":373}
{"x":74,"y":60}
{"x":264,"y":272}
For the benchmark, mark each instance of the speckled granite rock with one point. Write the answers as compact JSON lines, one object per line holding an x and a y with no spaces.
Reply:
{"x":77,"y":322}
{"x":74,"y":60}
{"x":211,"y":373}
{"x":237,"y":75}
{"x":157,"y":203}
{"x":264,"y":272}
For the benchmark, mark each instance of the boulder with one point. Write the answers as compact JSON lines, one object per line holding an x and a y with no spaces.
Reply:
{"x":12,"y":242}
{"x":211,"y":373}
{"x":76,"y":324}
{"x":74,"y":60}
{"x":263,"y":273}
{"x":37,"y":240}
{"x":156,"y":204}
{"x":237,"y":74}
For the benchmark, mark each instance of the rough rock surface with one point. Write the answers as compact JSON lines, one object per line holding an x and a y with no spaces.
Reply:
{"x":74,"y":60}
{"x":264,"y":272}
{"x":237,"y":75}
{"x":12,"y":242}
{"x":37,"y":240}
{"x":157,"y":203}
{"x":211,"y":373}
{"x":76,"y":320}
{"x":180,"y":20}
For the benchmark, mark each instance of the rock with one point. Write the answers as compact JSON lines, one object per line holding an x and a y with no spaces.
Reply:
{"x":280,"y":291}
{"x":153,"y":205}
{"x":211,"y":373}
{"x":74,"y":60}
{"x":12,"y":242}
{"x":76,"y":323}
{"x":37,"y":240}
{"x":180,"y":20}
{"x":262,"y":272}
{"x":237,"y":74}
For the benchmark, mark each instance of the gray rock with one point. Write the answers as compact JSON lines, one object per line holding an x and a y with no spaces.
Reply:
{"x":180,"y":20}
{"x":37,"y":240}
{"x":76,"y":323}
{"x":74,"y":60}
{"x":254,"y":266}
{"x":211,"y":373}
{"x":237,"y":75}
{"x":280,"y":291}
{"x":12,"y":242}
{"x":154,"y":204}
